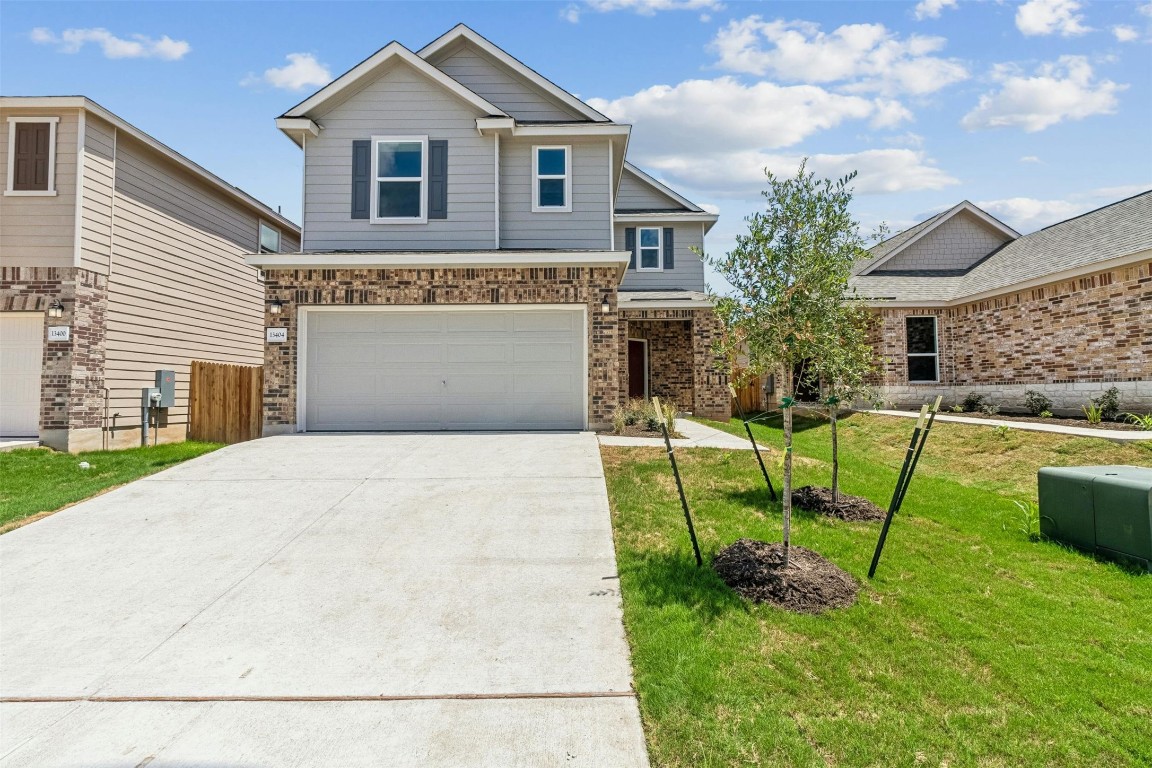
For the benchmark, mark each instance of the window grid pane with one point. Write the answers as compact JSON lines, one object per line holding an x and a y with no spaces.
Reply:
{"x":269,"y":239}
{"x":550,"y":162}
{"x":398,"y":199}
{"x":399,"y":160}
{"x":649,"y":238}
{"x":921,"y":335}
{"x":922,"y":368}
{"x":551,"y":193}
{"x":650,"y":258}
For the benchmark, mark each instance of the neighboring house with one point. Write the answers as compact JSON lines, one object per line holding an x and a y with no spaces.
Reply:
{"x":118,"y":257}
{"x":478,"y":254}
{"x":968,"y":305}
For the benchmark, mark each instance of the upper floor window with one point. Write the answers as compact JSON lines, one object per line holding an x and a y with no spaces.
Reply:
{"x":651,"y":248}
{"x":923,"y":350}
{"x":269,"y":239}
{"x":31,"y":156}
{"x":552,"y":179}
{"x":400,"y":173}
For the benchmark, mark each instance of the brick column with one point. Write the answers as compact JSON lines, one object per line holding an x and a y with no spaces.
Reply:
{"x":709,"y":370}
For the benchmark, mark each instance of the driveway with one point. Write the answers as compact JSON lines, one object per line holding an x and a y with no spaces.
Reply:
{"x":339,"y":600}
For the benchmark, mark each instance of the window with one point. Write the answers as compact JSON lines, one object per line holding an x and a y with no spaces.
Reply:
{"x":650,"y":247}
{"x":31,"y":156}
{"x":269,"y":239}
{"x":400,"y":170}
{"x":923,"y":354}
{"x":551,"y":179}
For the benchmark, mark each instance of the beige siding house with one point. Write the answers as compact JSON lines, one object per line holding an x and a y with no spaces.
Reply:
{"x":118,"y":258}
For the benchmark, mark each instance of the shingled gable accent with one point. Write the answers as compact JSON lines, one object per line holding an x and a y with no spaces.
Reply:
{"x":462,"y":32}
{"x":370,"y":65}
{"x":932,"y":224}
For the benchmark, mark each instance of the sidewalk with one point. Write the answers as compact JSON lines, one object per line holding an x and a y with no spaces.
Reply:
{"x":696,"y":435}
{"x":1117,"y":435}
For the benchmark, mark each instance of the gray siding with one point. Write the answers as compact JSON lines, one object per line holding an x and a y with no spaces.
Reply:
{"x":41,"y":231}
{"x":635,"y":194}
{"x":501,"y":86}
{"x":400,"y":101}
{"x":958,"y":243}
{"x":589,"y":223}
{"x":688,"y":274}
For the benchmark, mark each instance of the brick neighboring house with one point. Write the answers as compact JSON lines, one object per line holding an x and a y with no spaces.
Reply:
{"x":966,"y":304}
{"x":118,"y":257}
{"x":477,"y":253}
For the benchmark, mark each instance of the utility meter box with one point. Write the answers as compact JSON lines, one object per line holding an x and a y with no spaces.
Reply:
{"x":166,"y":383}
{"x":1107,"y":510}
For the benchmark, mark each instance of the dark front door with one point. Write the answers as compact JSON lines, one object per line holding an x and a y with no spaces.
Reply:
{"x":637,"y":368}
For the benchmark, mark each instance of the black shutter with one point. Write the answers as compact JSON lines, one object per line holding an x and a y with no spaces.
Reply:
{"x":361,"y":178}
{"x":438,"y":179}
{"x":669,"y":249}
{"x":630,"y":245}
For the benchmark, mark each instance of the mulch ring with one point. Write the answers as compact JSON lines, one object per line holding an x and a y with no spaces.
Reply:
{"x":809,"y":584}
{"x":851,"y":508}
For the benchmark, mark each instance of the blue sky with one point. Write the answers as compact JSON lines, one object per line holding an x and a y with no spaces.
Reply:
{"x":1037,"y":111}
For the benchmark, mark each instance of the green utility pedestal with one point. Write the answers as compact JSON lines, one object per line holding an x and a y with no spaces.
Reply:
{"x":1106,"y":510}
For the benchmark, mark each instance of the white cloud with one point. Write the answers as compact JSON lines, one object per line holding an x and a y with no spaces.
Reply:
{"x":1125,"y":33}
{"x":301,"y":71}
{"x":741,"y":174}
{"x":1046,"y":17}
{"x":859,"y":57}
{"x":1062,"y":90}
{"x":1027,"y":214}
{"x":572,"y":12}
{"x":1029,"y":159}
{"x":133,"y":47}
{"x":889,"y":113}
{"x":930,"y":9}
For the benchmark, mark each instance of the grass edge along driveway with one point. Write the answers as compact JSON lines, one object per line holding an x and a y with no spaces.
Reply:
{"x":35,"y":482}
{"x":973,"y":646}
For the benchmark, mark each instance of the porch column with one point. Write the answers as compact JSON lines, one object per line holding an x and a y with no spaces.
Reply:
{"x":712,"y":400}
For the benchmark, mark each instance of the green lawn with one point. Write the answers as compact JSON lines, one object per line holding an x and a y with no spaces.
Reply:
{"x":974,"y":646}
{"x":39,"y":480}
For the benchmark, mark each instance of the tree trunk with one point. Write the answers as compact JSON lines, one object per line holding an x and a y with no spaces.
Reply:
{"x":787,"y":465}
{"x":835,"y":457}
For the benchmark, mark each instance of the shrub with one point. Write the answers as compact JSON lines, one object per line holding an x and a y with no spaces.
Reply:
{"x":1092,"y":412}
{"x":1003,"y":430}
{"x":957,"y":408}
{"x":972,"y":402}
{"x":1036,"y":402}
{"x":619,"y":420}
{"x":1109,"y":404}
{"x":1144,"y":421}
{"x":1045,"y":414}
{"x":988,"y":409}
{"x":651,"y":423}
{"x":642,"y":412}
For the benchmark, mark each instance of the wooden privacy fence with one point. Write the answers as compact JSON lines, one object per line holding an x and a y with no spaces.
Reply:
{"x":750,"y":396}
{"x":225,"y":402}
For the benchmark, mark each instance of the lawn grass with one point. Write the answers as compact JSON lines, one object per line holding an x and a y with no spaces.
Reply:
{"x":36,"y":480}
{"x":974,"y":646}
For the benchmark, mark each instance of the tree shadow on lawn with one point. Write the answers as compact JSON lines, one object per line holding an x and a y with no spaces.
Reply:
{"x":663,"y":579}
{"x":800,"y":423}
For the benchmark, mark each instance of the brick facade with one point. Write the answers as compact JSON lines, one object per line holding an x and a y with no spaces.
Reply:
{"x":1070,"y":339}
{"x":72,"y":372}
{"x":682,"y":362}
{"x":431,"y":287}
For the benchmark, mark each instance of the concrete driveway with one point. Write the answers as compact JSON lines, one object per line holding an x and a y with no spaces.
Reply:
{"x":339,"y":600}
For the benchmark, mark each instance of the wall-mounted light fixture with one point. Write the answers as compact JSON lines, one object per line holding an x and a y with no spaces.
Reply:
{"x":275,"y":307}
{"x":606,"y":306}
{"x":55,"y":309}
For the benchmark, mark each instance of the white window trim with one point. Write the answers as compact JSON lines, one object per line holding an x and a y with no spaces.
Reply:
{"x":51,"y":191}
{"x":374,"y":196}
{"x":279,"y":237}
{"x":536,"y":177}
{"x":659,"y":250}
{"x":935,"y":355}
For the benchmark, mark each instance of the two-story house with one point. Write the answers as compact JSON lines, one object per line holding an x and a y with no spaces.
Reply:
{"x":118,"y":257}
{"x":477,"y":253}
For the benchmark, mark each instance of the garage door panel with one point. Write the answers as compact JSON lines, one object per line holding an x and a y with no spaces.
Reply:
{"x":445,"y":369}
{"x":21,"y":356}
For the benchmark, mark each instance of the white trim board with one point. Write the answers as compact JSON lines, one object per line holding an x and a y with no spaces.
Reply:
{"x":440,"y":260}
{"x":302,"y":313}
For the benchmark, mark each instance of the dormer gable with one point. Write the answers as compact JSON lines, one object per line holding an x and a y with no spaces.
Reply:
{"x":950,"y":242}
{"x":639,"y":192}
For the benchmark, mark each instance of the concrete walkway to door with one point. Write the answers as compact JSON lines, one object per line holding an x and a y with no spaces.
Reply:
{"x":343,"y":600}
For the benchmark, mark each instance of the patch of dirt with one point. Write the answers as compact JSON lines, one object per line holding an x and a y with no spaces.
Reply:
{"x":639,"y":430}
{"x":1067,"y":422}
{"x":851,"y":508}
{"x":809,"y":584}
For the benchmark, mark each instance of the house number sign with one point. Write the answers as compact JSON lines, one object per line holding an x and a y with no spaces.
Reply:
{"x":276,"y":335}
{"x":59,"y":332}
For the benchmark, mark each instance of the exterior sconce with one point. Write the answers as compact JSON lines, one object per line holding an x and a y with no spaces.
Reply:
{"x":55,"y":309}
{"x":275,"y":307}
{"x":606,"y":307}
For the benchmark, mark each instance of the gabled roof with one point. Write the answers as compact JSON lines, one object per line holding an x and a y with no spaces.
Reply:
{"x":197,"y":170}
{"x":393,"y":50}
{"x":886,"y":250}
{"x":1113,"y":235}
{"x":463,"y":32}
{"x":661,"y":188}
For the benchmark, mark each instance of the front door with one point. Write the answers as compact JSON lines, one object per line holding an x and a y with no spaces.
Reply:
{"x":637,"y":368}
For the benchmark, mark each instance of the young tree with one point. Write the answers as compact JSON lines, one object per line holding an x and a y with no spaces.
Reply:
{"x":789,"y":273}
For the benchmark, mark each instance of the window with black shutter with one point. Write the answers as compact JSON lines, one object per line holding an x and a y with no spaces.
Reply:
{"x":31,"y":160}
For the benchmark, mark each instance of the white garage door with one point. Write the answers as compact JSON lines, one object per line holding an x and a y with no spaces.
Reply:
{"x":466,"y":369}
{"x":21,"y":350}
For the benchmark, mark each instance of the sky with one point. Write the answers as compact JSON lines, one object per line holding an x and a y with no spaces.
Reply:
{"x":1036,"y":111}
